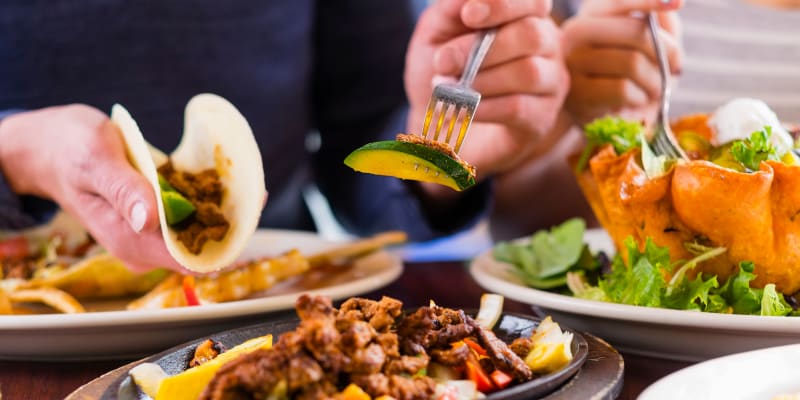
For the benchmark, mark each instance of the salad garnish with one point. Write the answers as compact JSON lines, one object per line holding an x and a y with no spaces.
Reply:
{"x":646,"y":277}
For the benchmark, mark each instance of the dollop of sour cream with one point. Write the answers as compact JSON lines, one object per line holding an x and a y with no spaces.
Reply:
{"x":740,"y":117}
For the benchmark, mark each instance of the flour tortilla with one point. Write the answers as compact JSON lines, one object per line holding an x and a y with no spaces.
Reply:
{"x":216,"y":136}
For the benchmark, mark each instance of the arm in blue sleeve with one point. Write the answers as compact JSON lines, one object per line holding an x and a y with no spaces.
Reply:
{"x":359,"y":98}
{"x":18,"y":212}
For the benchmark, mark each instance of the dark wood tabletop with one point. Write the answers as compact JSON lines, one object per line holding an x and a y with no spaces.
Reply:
{"x":448,"y":283}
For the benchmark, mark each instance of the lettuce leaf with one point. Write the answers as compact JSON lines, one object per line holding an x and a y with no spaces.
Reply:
{"x":752,"y":151}
{"x":773,"y":303}
{"x":621,"y":134}
{"x":543,"y":261}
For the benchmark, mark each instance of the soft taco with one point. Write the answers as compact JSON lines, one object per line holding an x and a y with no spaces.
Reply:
{"x":211,"y":187}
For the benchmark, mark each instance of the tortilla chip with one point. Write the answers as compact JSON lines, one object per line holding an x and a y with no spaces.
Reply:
{"x":55,"y":298}
{"x":99,"y":276}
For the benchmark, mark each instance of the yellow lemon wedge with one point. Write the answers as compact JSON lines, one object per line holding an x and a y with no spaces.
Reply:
{"x":552,"y":348}
{"x":189,"y":384}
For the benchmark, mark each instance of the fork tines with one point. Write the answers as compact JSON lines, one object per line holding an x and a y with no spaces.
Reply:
{"x":453,"y":105}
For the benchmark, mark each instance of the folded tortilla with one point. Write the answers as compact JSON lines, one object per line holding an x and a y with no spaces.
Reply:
{"x":215,"y":136}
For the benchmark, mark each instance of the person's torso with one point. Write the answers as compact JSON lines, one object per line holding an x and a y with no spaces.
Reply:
{"x":152,"y":56}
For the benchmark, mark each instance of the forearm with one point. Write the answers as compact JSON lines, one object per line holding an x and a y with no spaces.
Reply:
{"x":17,"y":210}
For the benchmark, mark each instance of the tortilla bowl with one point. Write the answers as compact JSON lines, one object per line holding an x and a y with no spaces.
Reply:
{"x":756,"y":216}
{"x":216,"y":136}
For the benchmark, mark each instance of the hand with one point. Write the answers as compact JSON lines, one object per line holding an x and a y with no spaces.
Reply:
{"x":523,"y":80}
{"x":612,"y":61}
{"x":75,"y":156}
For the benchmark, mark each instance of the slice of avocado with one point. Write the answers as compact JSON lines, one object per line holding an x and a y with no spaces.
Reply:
{"x":176,"y":207}
{"x":413,"y":161}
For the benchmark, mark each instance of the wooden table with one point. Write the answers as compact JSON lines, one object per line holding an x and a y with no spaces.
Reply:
{"x":449,"y":284}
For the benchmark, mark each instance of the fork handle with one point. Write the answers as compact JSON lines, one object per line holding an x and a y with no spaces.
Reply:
{"x":476,"y":56}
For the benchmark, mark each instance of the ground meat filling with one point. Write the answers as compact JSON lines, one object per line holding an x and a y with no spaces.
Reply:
{"x":204,"y":190}
{"x":369,"y":343}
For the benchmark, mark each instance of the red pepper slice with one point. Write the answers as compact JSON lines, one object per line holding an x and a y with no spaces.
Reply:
{"x":475,"y":346}
{"x":500,"y":378}
{"x":15,"y":248}
{"x":476,"y":374}
{"x":189,"y":291}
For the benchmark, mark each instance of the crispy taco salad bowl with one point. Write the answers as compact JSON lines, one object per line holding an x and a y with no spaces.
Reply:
{"x":211,"y":187}
{"x":740,"y":190}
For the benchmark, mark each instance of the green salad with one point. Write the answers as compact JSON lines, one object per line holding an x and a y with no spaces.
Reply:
{"x":559,"y":260}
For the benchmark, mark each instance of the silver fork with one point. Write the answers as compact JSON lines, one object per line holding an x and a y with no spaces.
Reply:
{"x":458,"y":100}
{"x":663,"y":142}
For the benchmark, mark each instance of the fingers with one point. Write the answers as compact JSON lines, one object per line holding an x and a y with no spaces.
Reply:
{"x":447,"y":19}
{"x":595,"y":97}
{"x":625,"y":7}
{"x":530,"y":75}
{"x":481,"y":14}
{"x":625,"y":33}
{"x":139,"y":251}
{"x":616,"y":63}
{"x":525,"y":113}
{"x":126,"y":190}
{"x":522,"y":38}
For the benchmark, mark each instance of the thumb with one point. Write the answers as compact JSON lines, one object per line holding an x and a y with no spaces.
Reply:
{"x":125,"y":189}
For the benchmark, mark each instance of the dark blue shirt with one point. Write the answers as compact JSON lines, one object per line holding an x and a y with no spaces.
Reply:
{"x":292,"y":67}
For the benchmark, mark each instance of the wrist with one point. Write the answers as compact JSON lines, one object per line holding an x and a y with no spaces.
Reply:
{"x":16,"y":158}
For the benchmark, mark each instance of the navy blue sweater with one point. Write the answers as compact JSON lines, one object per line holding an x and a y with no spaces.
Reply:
{"x":292,"y":67}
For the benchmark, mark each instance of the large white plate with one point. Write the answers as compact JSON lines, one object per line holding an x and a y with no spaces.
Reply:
{"x":132,"y":334}
{"x":673,"y":334}
{"x":758,"y":374}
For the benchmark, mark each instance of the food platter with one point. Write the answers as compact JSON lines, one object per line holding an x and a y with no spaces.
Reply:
{"x":595,"y":371}
{"x":758,"y":374}
{"x":110,"y":332}
{"x":672,"y":334}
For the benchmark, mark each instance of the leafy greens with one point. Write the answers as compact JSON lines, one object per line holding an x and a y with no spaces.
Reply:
{"x":552,"y":259}
{"x":543,"y":261}
{"x":751,"y":151}
{"x":621,"y":134}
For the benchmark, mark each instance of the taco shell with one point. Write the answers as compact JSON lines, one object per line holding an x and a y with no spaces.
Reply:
{"x":215,"y":136}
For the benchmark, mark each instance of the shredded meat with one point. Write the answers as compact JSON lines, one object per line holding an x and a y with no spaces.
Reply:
{"x":369,"y":343}
{"x":204,"y":190}
{"x":205,"y":352}
{"x":438,"y":146}
{"x":18,"y":269}
{"x":504,"y":359}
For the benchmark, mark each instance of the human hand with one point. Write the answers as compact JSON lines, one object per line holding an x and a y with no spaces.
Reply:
{"x":612,"y":61}
{"x":75,"y":156}
{"x":522,"y":80}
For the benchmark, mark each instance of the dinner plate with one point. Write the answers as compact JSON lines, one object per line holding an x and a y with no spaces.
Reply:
{"x":113,"y":333}
{"x":759,"y":374}
{"x":595,"y":371}
{"x":673,"y":334}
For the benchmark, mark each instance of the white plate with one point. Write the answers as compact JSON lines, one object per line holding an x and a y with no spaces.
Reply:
{"x":760,"y":374}
{"x":673,"y":334}
{"x":132,"y":334}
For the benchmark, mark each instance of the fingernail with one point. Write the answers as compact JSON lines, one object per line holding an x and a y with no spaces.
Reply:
{"x":477,"y":11}
{"x":138,"y":216}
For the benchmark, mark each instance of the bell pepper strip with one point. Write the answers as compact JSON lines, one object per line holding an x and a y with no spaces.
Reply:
{"x":476,"y":374}
{"x":475,"y":347}
{"x":189,"y":291}
{"x":500,"y":379}
{"x":15,"y":248}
